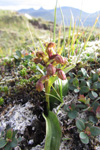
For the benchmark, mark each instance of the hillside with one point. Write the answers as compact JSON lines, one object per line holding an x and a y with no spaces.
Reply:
{"x":19,"y":32}
{"x":87,"y":19}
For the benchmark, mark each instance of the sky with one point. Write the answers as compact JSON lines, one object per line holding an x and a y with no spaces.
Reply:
{"x":89,"y":6}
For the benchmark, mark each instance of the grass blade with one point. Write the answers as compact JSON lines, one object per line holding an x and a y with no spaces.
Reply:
{"x":91,"y":32}
{"x":54,"y":32}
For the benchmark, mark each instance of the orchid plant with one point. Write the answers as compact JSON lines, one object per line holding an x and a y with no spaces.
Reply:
{"x":54,"y":67}
{"x":50,"y":60}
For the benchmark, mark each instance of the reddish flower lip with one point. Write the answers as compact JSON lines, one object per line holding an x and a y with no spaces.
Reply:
{"x":39,"y":86}
{"x":51,"y":70}
{"x":61,"y":75}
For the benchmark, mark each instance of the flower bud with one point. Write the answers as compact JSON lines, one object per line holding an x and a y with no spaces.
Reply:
{"x":51,"y":45}
{"x":51,"y":69}
{"x":61,"y":75}
{"x":87,"y":131}
{"x":50,"y":49}
{"x":49,"y":52}
{"x":52,"y":56}
{"x":59,"y":59}
{"x":39,"y":86}
{"x":40,"y":54}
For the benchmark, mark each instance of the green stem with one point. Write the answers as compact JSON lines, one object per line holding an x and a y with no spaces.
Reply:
{"x":47,"y":90}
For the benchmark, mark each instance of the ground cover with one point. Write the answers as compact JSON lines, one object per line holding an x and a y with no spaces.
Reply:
{"x":75,"y":99}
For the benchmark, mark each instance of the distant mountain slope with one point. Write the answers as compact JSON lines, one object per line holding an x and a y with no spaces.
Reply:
{"x":15,"y":31}
{"x":87,"y":19}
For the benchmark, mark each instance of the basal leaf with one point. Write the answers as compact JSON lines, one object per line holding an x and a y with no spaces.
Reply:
{"x":53,"y":132}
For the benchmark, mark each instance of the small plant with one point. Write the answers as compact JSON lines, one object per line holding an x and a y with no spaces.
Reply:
{"x":86,"y":130}
{"x":4,"y":89}
{"x":54,"y":67}
{"x":23,"y":72}
{"x":71,"y":110}
{"x":8,"y":139}
{"x":1,"y":101}
{"x":83,"y":83}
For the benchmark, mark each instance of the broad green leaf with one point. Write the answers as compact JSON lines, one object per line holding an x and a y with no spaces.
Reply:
{"x":93,"y":119}
{"x":71,"y":74}
{"x":72,"y":114}
{"x":53,"y":132}
{"x":28,"y":57}
{"x":16,"y":57}
{"x":76,"y":90}
{"x":71,"y":87}
{"x":79,"y":73}
{"x":75,"y":82}
{"x":80,"y":124}
{"x":83,"y":83}
{"x":85,"y":141}
{"x":94,"y":94}
{"x":96,"y":85}
{"x":84,"y":72}
{"x":84,"y":89}
{"x":3,"y":142}
{"x":8,"y":147}
{"x":95,"y":105}
{"x":88,"y":84}
{"x":82,"y":135}
{"x":95,"y":131}
{"x":18,"y":53}
{"x":95,"y":77}
{"x":14,"y":143}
